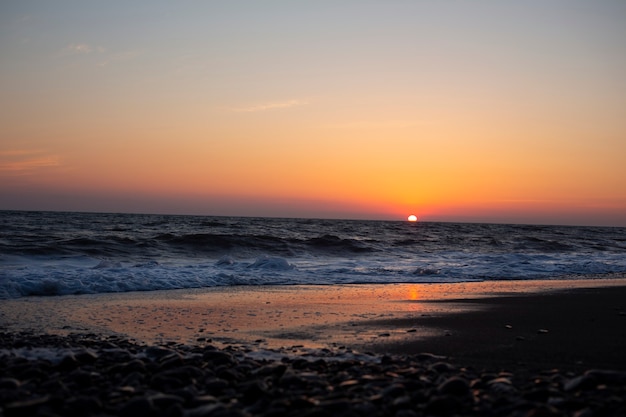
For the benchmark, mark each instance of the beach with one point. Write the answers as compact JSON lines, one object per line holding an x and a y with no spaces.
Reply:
{"x":564,"y":323}
{"x":568,"y":335}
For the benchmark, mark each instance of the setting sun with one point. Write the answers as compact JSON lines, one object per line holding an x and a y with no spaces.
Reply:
{"x":412,"y":218}
{"x":260,"y":111}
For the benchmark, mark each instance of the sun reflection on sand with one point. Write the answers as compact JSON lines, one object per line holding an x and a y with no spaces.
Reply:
{"x":413,"y":293}
{"x":269,"y":317}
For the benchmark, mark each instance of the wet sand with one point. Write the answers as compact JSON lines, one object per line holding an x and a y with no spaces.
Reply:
{"x":505,"y":324}
{"x":570,"y":330}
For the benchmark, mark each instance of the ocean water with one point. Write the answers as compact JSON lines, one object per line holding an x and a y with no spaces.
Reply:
{"x":50,"y":253}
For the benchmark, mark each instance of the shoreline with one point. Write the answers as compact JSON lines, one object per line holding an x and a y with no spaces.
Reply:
{"x":410,"y":350}
{"x":483,"y":322}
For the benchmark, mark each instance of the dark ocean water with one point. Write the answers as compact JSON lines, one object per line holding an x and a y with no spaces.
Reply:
{"x":49,"y":253}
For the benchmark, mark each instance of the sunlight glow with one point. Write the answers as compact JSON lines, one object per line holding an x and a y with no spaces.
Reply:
{"x":256,"y":112}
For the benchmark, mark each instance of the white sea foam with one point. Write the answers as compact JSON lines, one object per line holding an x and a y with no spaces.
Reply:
{"x":55,"y":278}
{"x":273,"y":263}
{"x":68,"y":253}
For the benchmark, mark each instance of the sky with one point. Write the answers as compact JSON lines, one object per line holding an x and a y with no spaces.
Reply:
{"x":498,"y":111}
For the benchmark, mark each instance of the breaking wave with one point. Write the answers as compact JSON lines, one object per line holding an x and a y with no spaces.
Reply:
{"x":48,"y":254}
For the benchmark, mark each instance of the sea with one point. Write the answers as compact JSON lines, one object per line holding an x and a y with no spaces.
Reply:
{"x":57,"y":253}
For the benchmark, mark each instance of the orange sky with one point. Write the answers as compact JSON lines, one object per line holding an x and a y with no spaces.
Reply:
{"x":484,"y":111}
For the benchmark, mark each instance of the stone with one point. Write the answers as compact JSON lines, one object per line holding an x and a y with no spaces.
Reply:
{"x":206,"y":410}
{"x":217,"y":357}
{"x":441,"y":367}
{"x":82,"y":406}
{"x":581,"y":382}
{"x":163,"y":401}
{"x":454,"y":386}
{"x":9,"y":383}
{"x":138,"y":406}
{"x":27,"y":407}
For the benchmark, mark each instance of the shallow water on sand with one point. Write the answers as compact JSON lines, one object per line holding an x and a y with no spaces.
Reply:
{"x":268,"y":316}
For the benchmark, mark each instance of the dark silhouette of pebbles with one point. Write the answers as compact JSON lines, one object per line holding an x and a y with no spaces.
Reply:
{"x":88,"y":375}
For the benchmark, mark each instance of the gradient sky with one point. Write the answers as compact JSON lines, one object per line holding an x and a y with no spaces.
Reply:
{"x":486,"y":111}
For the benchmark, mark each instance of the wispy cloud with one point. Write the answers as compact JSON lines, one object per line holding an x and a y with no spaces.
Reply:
{"x":101,"y":56}
{"x":26,"y":162}
{"x":80,"y":48}
{"x":271,"y":106}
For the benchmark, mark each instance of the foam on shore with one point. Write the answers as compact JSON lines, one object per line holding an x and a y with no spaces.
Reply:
{"x":275,"y":316}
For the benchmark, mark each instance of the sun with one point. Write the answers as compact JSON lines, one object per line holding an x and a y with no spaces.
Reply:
{"x":412,"y":218}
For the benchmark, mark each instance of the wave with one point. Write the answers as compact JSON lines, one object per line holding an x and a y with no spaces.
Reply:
{"x":21,"y":277}
{"x":73,"y":253}
{"x":272,"y":263}
{"x":331,"y":243}
{"x":543,"y":245}
{"x":190,"y":246}
{"x":207,"y":242}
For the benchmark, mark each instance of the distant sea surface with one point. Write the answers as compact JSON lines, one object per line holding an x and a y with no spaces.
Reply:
{"x":51,"y":253}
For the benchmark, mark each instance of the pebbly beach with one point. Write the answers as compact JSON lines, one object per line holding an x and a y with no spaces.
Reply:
{"x":547,"y":347}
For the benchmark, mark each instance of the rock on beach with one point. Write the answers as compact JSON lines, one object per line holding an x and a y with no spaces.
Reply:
{"x":90,"y":375}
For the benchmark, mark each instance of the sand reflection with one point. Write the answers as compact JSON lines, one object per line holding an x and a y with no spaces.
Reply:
{"x":273,"y":316}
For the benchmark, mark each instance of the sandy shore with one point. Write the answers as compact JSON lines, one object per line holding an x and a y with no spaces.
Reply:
{"x":561,"y":323}
{"x":533,"y":348}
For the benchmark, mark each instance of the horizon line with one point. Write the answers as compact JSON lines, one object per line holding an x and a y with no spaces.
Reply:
{"x":404,"y":220}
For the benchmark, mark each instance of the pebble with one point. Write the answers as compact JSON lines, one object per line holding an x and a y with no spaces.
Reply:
{"x":86,"y":375}
{"x":454,"y":386}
